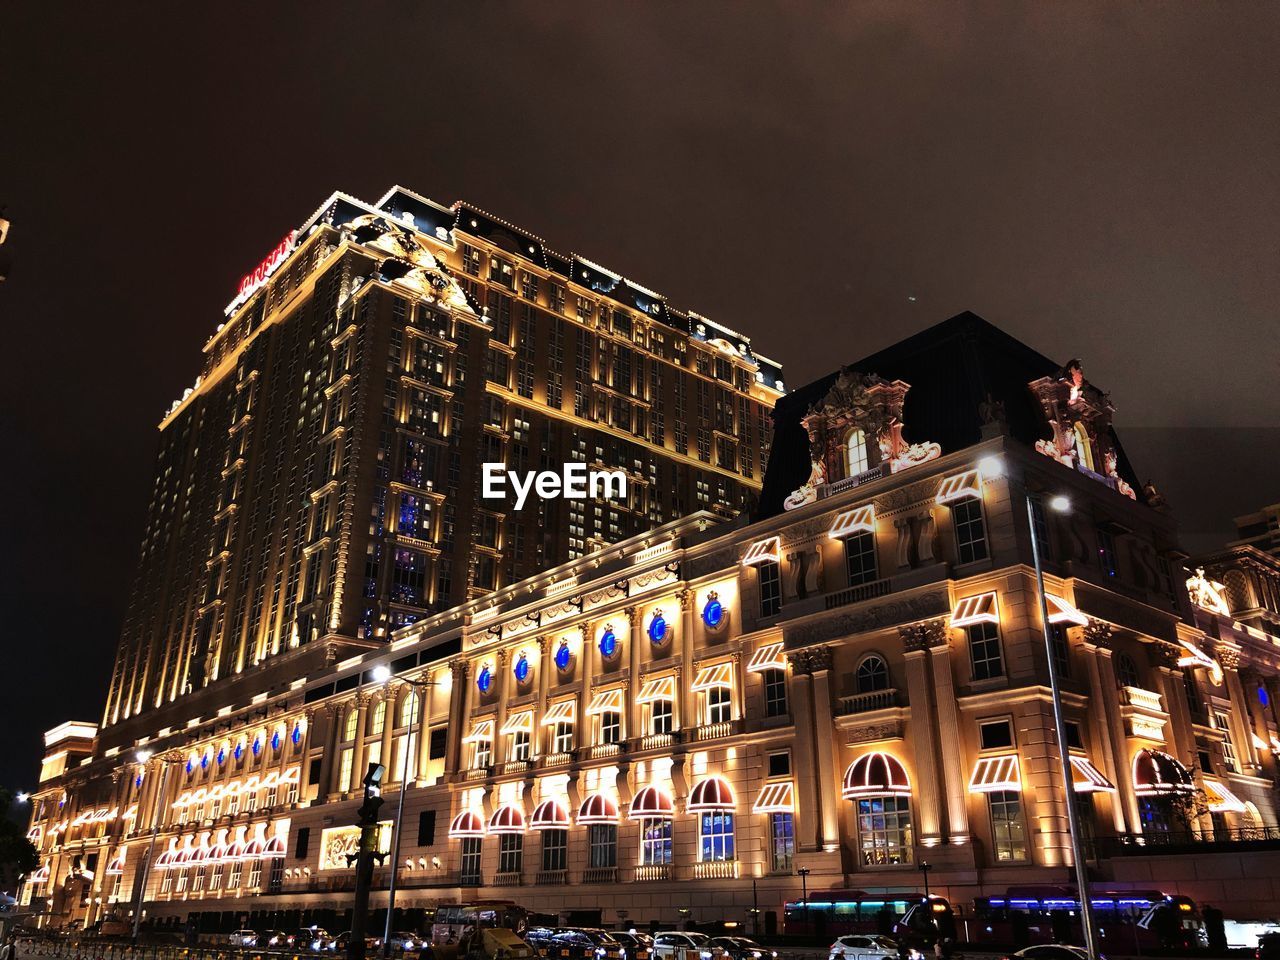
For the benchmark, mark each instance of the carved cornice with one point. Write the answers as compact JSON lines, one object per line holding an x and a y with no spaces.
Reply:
{"x":1228,"y":657}
{"x":810,"y":660}
{"x":1099,"y":633}
{"x":890,"y":730}
{"x":889,"y":614}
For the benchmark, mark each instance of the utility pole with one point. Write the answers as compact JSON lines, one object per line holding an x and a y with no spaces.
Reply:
{"x":367,"y":819}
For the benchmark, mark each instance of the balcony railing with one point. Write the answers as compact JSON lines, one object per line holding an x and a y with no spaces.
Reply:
{"x":716,"y":870}
{"x":557,"y":760}
{"x":511,"y":879}
{"x":604,"y":750}
{"x":516,"y":766}
{"x":865,"y":702}
{"x":713,"y":731}
{"x":1142,"y":699}
{"x":657,"y":871}
{"x":600,"y":875}
{"x":863,"y":591}
{"x":552,"y":878}
{"x":657,"y":741}
{"x":1185,"y":841}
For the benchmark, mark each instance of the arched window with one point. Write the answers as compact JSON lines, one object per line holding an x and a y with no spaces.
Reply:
{"x":353,"y":722}
{"x":1084,"y":447}
{"x":856,"y":452}
{"x":1126,"y":671}
{"x":409,"y":709}
{"x":873,"y":674}
{"x":1250,"y":822}
{"x":379,"y":720}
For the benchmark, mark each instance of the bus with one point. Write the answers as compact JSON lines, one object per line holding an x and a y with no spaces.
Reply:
{"x":452,"y":920}
{"x":833,"y":913}
{"x":1126,"y":920}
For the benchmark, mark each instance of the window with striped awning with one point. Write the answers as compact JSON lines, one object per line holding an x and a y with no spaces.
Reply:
{"x":977,"y":609}
{"x":996,"y":773}
{"x":717,"y":675}
{"x":519,"y":722}
{"x":562,"y":711}
{"x":960,"y":486}
{"x":768,"y":657}
{"x":857,"y":520}
{"x":775,"y":798}
{"x":762,"y":551}
{"x":607,"y":701}
{"x":480,"y":730}
{"x":663,"y":688}
{"x":1086,"y":778}
{"x":1062,"y":612}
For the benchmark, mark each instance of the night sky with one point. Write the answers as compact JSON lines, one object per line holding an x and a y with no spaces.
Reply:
{"x":1099,"y":180}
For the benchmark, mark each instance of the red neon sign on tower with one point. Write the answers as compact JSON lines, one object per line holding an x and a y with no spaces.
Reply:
{"x":252,"y":281}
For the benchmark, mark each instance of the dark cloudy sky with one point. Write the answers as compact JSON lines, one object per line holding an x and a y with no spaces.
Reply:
{"x":1098,"y":179}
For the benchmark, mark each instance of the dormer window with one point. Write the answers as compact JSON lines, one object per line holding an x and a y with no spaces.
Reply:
{"x":856,"y":453}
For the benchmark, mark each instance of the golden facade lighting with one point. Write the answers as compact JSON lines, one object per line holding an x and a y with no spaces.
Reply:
{"x":1062,"y":612}
{"x":1222,"y":800}
{"x":719,"y":675}
{"x":116,"y":867}
{"x":857,"y":520}
{"x":466,"y":824}
{"x":775,"y":798}
{"x":875,"y":774}
{"x":550,"y":815}
{"x":711,"y":793}
{"x":651,"y":803}
{"x":1156,"y":774}
{"x":977,"y":609}
{"x":598,"y":808}
{"x":1086,"y":778}
{"x":960,"y":486}
{"x":768,"y":657}
{"x":762,"y":551}
{"x":563,"y":711}
{"x":507,"y":819}
{"x":663,"y":688}
{"x":607,"y":701}
{"x":521,"y":722}
{"x":991,"y":774}
{"x":481,"y":730}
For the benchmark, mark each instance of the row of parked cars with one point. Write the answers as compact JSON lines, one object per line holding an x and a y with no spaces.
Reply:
{"x":591,"y":943}
{"x":319,"y":940}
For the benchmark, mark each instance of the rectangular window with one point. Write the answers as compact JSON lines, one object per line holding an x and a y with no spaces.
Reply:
{"x":426,"y":828}
{"x":510,"y":852}
{"x":770,"y":582}
{"x":860,"y":557}
{"x":302,"y":844}
{"x":719,"y":705}
{"x":660,"y":717}
{"x":655,"y":842}
{"x":715,"y":836}
{"x":1040,"y":527}
{"x":1007,"y":831}
{"x":555,"y":850}
{"x":1061,"y":657}
{"x":995,"y":734}
{"x":1223,"y":723}
{"x":775,"y":693}
{"x":469,"y":871}
{"x":971,"y":534}
{"x":602,"y":843}
{"x":521,"y":743}
{"x":562,"y":738}
{"x":610,"y":727}
{"x":483,"y":755}
{"x":782,"y":842}
{"x":884,"y":830}
{"x":984,"y":650}
{"x":438,"y":744}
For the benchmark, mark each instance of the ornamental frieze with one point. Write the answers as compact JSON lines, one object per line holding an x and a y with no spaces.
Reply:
{"x":888,"y":614}
{"x":890,"y":730}
{"x":1128,"y":614}
{"x":715,"y":562}
{"x":1099,"y":634}
{"x":923,"y":636}
{"x":810,"y":660}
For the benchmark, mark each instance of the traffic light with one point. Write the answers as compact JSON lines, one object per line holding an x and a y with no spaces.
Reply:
{"x":372,"y":794}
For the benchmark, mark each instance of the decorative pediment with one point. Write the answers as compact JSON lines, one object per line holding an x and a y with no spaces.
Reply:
{"x":1080,"y":416}
{"x":855,"y":434}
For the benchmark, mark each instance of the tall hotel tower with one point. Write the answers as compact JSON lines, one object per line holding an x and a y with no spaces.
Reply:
{"x":319,"y":485}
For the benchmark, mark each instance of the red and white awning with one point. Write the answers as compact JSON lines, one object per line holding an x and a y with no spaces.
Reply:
{"x":992,"y":774}
{"x":651,"y":803}
{"x":711,"y":793}
{"x":466,"y":824}
{"x":768,"y":657}
{"x":550,"y":815}
{"x":875,"y":774}
{"x":1155,"y":773}
{"x":775,"y":798}
{"x":598,"y":808}
{"x":507,"y":819}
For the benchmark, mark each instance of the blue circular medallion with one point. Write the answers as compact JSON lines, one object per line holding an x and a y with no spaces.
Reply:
{"x":522,"y":669}
{"x":1263,"y":697}
{"x":658,"y":628}
{"x":257,"y":745}
{"x":296,"y":736}
{"x":222,"y":755}
{"x":137,"y":781}
{"x":204,"y":760}
{"x":275,"y":740}
{"x":485,"y":680}
{"x":239,"y":750}
{"x":608,"y":643}
{"x":713,"y":613}
{"x":564,"y":656}
{"x":190,"y":765}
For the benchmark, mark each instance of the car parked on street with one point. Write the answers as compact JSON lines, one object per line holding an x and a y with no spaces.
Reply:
{"x":864,"y":947}
{"x":406,"y":940}
{"x":243,"y":938}
{"x":587,"y":943}
{"x":272,"y":940}
{"x":310,"y":938}
{"x":740,"y":948}
{"x":637,"y":946}
{"x":672,"y":944}
{"x":1053,"y":951}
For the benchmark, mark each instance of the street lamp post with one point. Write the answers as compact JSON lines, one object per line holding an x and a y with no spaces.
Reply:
{"x":145,"y":867}
{"x":410,"y":745}
{"x":804,"y":888}
{"x":924,"y":868}
{"x":1061,"y":504}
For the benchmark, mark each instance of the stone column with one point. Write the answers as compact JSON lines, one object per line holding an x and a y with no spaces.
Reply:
{"x":389,"y":718}
{"x":688,"y":699}
{"x":358,"y":748}
{"x":459,"y":695}
{"x":634,"y":647}
{"x":304,"y":756}
{"x":1101,"y":637}
{"x":1229,"y":657}
{"x":504,"y":678}
{"x":948,"y":719}
{"x":824,"y":745}
{"x":331,"y":761}
{"x":1103,"y":751}
{"x":807,"y":794}
{"x":590,"y":665}
{"x":928,"y":787}
{"x":422,"y":730}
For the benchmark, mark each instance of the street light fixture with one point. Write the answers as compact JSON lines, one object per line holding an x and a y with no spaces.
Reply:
{"x":411,"y":744}
{"x":804,"y":888}
{"x":1062,"y":504}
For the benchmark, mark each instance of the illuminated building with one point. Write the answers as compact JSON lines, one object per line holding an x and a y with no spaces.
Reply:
{"x":850,"y":684}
